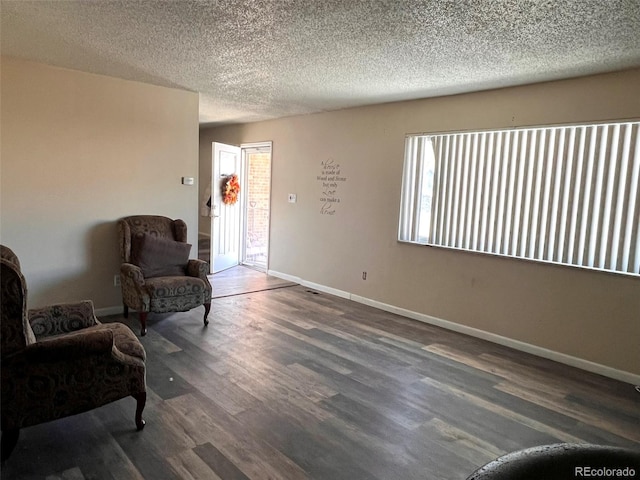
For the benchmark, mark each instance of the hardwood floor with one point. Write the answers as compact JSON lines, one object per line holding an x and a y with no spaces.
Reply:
{"x":290,"y":383}
{"x":240,"y":280}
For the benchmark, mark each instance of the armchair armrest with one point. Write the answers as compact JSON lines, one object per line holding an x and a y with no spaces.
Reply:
{"x":131,"y":275}
{"x":134,"y":291}
{"x":198,"y":268}
{"x":62,"y":318}
{"x":73,"y":346}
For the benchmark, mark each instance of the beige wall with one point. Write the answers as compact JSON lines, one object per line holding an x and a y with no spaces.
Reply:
{"x":591,"y":315}
{"x":78,"y":152}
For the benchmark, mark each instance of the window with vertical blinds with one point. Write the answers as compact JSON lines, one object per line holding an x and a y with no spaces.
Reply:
{"x":562,"y":194}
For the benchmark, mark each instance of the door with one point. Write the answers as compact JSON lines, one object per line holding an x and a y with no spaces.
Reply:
{"x":226,"y":217}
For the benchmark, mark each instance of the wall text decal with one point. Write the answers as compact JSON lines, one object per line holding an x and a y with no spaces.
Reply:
{"x":330,"y":179}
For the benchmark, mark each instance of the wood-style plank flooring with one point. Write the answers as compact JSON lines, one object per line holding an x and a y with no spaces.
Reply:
{"x":288,"y":383}
{"x":242,"y":280}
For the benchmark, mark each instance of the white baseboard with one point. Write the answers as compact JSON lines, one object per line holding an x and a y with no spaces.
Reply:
{"x":315,"y":286}
{"x":285,"y":276}
{"x":325,"y":289}
{"x":577,"y":362}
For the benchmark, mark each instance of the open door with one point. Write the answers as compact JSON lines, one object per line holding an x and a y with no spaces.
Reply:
{"x":226,"y":218}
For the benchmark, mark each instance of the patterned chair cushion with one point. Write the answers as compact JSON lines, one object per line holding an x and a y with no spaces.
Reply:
{"x":165,"y":287}
{"x":176,"y":294}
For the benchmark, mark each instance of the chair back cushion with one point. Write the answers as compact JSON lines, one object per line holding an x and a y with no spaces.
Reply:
{"x":159,"y":257}
{"x":16,"y":332}
{"x":155,"y":225}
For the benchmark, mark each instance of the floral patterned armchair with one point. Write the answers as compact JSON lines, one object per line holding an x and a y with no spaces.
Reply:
{"x":60,"y":360}
{"x":157,"y":274}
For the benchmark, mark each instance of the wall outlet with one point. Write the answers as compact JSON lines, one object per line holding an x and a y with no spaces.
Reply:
{"x":292,"y":198}
{"x":116,"y":280}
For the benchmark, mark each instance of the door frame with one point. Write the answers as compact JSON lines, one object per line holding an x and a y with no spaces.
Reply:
{"x":243,"y":204}
{"x":245,"y":148}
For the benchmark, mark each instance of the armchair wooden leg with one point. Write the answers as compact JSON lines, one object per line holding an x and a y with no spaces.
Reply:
{"x":125,"y":313}
{"x":207,"y":309}
{"x":143,"y":323}
{"x":141,"y":399}
{"x":9,"y":441}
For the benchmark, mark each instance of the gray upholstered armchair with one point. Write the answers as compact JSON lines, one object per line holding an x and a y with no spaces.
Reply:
{"x":156,"y":273}
{"x":60,"y":360}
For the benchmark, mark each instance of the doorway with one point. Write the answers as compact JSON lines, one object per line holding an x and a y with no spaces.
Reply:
{"x":256,"y":160}
{"x":240,"y":226}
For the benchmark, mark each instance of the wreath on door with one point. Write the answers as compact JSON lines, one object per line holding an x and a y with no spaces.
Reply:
{"x":230,"y":189}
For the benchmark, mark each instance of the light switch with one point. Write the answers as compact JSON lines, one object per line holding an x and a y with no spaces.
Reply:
{"x":187,"y":180}
{"x":292,"y":198}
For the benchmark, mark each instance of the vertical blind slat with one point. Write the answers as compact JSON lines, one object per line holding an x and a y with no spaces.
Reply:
{"x":501,"y":189}
{"x":586,"y":204}
{"x":528,"y":154}
{"x":434,"y":233}
{"x":608,"y":193}
{"x":450,"y":189}
{"x":479,"y":202}
{"x":470,"y":240}
{"x":633,"y":213}
{"x":449,"y":193}
{"x":519,"y":192}
{"x":535,"y":215}
{"x":419,"y":152}
{"x":618,"y":208}
{"x":545,"y":202}
{"x":488,"y":187}
{"x":495,"y":180}
{"x":567,"y":181}
{"x":595,"y":240}
{"x":578,"y":157}
{"x":444,"y":161}
{"x":464,"y":188}
{"x":436,"y":190}
{"x":556,"y":173}
{"x":509,"y":193}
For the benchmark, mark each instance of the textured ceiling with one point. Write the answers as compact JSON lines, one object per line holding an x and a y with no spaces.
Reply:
{"x":256,"y":60}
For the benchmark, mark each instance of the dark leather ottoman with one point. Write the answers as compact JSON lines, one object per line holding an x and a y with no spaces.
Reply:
{"x":563,"y":461}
